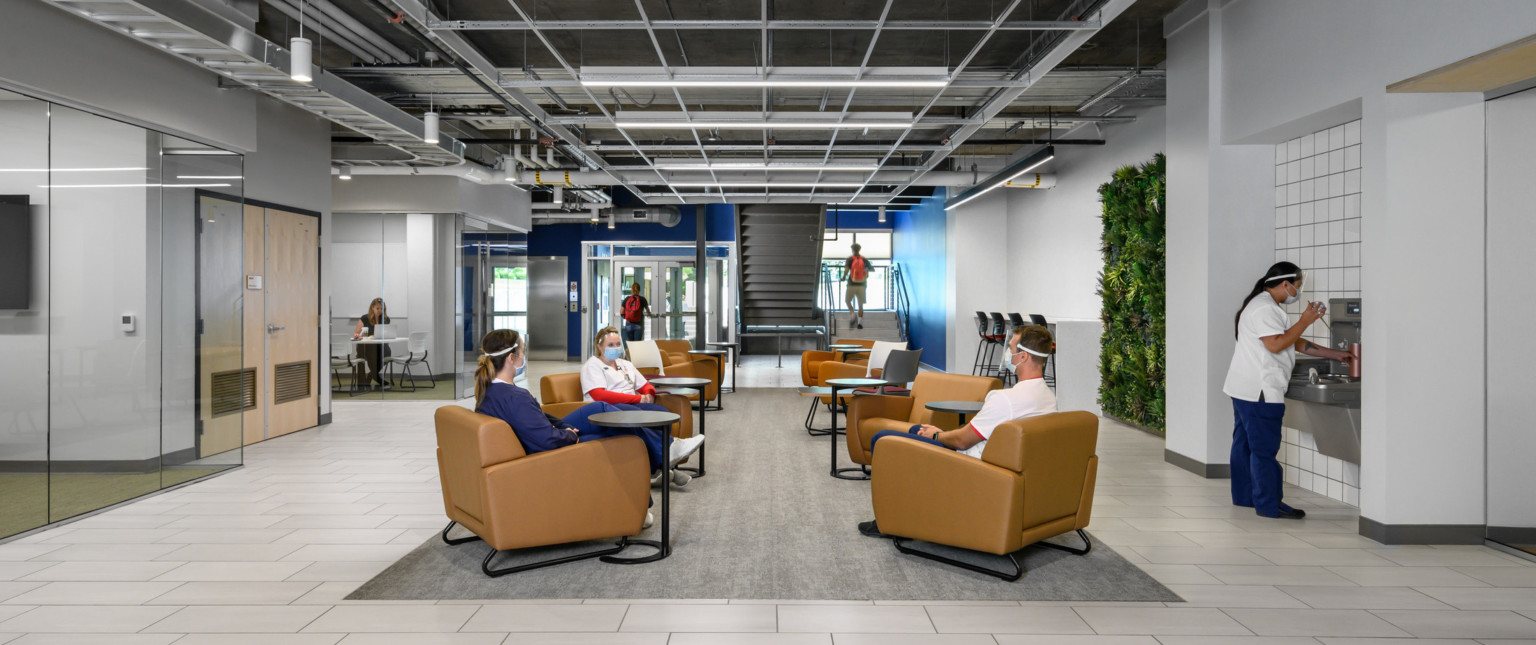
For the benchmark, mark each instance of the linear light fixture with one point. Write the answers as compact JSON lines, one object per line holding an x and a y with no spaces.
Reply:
{"x":764,"y":184}
{"x":766,"y":125}
{"x":1003,"y":176}
{"x":71,"y":169}
{"x":759,"y":165}
{"x":209,"y":177}
{"x":133,"y":185}
{"x":754,"y":83}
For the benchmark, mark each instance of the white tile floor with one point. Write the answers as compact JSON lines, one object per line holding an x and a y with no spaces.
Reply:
{"x":265,"y":554}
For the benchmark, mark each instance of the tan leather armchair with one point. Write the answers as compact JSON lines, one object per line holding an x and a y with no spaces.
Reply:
{"x":870,"y":414}
{"x":487,"y":481}
{"x":561,"y":394}
{"x":1034,"y":481}
{"x":674,"y":351}
{"x":812,"y":360}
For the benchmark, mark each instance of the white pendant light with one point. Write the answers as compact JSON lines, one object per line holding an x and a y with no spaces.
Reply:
{"x":346,"y":173}
{"x":610,"y":220}
{"x":430,"y":135}
{"x":882,"y":214}
{"x":301,"y":54}
{"x":594,"y":216}
{"x":559,"y":195}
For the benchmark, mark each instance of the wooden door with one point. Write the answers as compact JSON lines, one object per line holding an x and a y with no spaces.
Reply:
{"x":255,"y":333}
{"x":293,"y":322}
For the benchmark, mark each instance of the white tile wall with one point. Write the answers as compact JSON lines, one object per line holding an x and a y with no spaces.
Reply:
{"x":1317,"y":226}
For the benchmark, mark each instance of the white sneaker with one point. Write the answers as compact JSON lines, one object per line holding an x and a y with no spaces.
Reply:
{"x":649,"y":520}
{"x":680,"y":478}
{"x":656,"y":478}
{"x":681,"y":448}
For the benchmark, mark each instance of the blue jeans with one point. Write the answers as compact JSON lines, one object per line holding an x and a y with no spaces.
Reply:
{"x":634,"y":331}
{"x":653,"y":438}
{"x":1256,"y":475}
{"x":908,"y":434}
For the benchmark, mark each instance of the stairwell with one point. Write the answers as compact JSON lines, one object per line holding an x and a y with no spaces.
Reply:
{"x":780,"y":247}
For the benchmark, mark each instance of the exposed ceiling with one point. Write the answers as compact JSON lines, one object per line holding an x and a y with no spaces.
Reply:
{"x":940,"y":81}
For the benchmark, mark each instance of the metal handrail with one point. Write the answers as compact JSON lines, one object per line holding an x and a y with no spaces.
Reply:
{"x":903,"y":302}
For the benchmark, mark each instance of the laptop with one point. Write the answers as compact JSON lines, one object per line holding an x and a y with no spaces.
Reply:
{"x":384,"y":331}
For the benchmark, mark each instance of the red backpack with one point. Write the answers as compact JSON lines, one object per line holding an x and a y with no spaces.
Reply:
{"x":858,"y":270}
{"x":632,"y":309}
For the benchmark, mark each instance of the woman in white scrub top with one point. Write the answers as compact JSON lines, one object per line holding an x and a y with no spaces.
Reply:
{"x":1266,"y":349}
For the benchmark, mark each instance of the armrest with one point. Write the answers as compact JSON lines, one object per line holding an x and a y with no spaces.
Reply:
{"x":698,"y":369}
{"x":810,"y":362}
{"x":562,"y":409}
{"x":587,"y":491}
{"x":938,"y":495}
{"x":681,"y":407}
{"x":865,"y":407}
{"x":1005,"y":449}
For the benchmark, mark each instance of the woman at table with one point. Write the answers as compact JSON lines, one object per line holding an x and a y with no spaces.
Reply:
{"x":1260,"y":373}
{"x":607,"y":377}
{"x":373,"y":354}
{"x":502,"y":359}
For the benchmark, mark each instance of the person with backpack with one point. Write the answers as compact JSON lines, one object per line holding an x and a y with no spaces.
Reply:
{"x":634,"y":309}
{"x":855,"y":271}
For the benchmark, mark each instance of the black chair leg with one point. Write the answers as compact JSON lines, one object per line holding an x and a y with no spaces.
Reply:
{"x":456,"y":541}
{"x":811,"y":416}
{"x":1087,"y":545}
{"x":1010,"y":576}
{"x":430,"y":378}
{"x":485,"y":565}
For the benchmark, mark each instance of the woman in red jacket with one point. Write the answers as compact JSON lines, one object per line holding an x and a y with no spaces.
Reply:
{"x":609,"y":378}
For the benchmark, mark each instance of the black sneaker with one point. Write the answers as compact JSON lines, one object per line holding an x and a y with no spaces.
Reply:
{"x":861,"y":325}
{"x":868,"y":529}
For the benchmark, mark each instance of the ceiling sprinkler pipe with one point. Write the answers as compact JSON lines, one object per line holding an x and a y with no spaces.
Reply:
{"x":360,"y":31}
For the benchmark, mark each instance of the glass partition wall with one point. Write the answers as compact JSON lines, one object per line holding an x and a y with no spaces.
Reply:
{"x":121,"y":291}
{"x":396,"y":263}
{"x":491,"y":292}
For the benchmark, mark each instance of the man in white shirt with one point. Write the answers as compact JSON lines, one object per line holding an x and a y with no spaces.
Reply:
{"x":1028,"y":348}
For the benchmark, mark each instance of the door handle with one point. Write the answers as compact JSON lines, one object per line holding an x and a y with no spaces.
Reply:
{"x":272,"y":329}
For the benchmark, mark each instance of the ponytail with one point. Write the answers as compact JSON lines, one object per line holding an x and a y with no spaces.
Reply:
{"x":1278,"y":273}
{"x":495,"y":349}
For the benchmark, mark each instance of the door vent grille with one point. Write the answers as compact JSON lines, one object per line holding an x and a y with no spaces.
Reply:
{"x":234,"y":391}
{"x":290,"y":382}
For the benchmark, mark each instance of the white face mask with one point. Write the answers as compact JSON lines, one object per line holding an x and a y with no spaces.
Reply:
{"x":1007,"y":364}
{"x":1295,"y":295}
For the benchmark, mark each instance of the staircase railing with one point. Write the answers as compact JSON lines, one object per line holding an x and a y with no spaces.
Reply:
{"x":825,"y":299}
{"x":903,"y":302}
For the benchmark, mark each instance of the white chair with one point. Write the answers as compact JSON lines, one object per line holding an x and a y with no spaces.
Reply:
{"x":416,"y":354}
{"x":879,"y":353}
{"x":644,"y":353}
{"x":342,"y":360}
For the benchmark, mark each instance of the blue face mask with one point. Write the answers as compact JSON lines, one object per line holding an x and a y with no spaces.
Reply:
{"x":613,"y":353}
{"x":522,"y":368}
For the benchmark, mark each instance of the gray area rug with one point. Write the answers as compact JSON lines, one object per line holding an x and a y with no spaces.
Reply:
{"x":767,"y":522}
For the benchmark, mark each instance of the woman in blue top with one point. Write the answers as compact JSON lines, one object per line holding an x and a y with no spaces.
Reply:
{"x":502,"y":359}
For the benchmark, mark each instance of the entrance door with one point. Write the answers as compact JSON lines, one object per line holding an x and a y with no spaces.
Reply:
{"x":282,"y":322}
{"x":669,"y":287}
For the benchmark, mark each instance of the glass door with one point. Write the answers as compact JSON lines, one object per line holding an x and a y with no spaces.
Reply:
{"x":679,"y":302}
{"x":627,"y":273}
{"x":508,"y":304}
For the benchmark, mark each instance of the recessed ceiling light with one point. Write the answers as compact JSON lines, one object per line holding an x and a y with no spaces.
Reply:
{"x":763,"y":184}
{"x":758,"y":165}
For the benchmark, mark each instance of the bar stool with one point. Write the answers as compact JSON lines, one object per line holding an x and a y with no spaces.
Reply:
{"x":985,"y":349}
{"x":1017,"y":320}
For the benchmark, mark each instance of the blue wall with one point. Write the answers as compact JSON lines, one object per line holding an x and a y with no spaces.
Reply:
{"x":566,"y":239}
{"x":862,"y":220}
{"x":918,"y":244}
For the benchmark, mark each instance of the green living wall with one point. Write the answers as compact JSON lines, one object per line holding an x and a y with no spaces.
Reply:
{"x":1132,"y":359}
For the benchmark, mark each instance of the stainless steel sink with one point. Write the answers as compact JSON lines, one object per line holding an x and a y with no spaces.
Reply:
{"x":1328,"y":390}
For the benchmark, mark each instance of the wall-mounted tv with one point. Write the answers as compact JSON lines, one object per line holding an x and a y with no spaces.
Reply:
{"x":15,"y":252}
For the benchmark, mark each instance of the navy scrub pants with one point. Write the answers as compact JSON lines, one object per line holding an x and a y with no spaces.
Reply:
{"x":1256,"y":474}
{"x":591,"y":432}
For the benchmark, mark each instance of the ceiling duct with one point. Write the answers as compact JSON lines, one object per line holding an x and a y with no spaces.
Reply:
{"x":668,"y":216}
{"x":200,"y":32}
